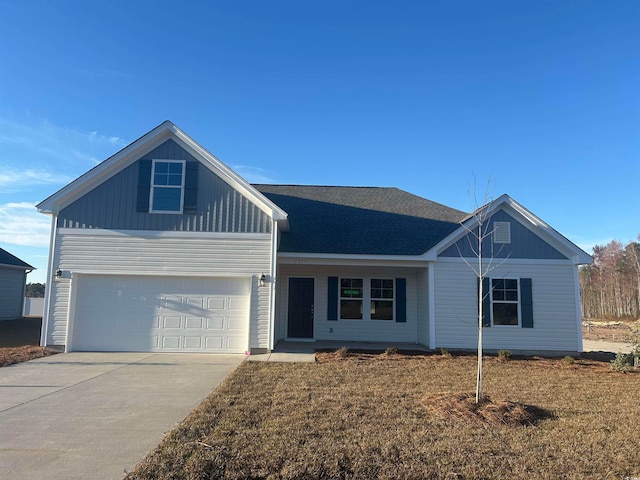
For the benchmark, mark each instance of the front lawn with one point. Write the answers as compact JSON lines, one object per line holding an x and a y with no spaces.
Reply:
{"x":363,"y":416}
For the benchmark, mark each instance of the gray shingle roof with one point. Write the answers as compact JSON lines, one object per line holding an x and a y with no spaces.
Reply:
{"x":7,"y":259}
{"x":360,"y":220}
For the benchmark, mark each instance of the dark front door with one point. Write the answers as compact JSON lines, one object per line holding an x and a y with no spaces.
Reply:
{"x":300,"y":308}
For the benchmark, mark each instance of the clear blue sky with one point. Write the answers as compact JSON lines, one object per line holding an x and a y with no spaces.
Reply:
{"x":543,"y":96}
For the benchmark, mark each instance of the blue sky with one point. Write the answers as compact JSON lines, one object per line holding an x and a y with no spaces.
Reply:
{"x":541,"y":96}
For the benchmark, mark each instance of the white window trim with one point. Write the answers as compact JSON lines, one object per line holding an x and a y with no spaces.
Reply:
{"x":392,"y":300}
{"x":153,"y":186}
{"x":361,"y":299}
{"x":366,"y":299}
{"x":502,"y":232}
{"x":493,"y":324}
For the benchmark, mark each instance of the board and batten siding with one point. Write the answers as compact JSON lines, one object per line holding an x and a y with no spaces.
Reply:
{"x":524,"y":243}
{"x":111,"y":253}
{"x":554,"y":308}
{"x":12,"y":281}
{"x":112,"y":205}
{"x":350,"y":330}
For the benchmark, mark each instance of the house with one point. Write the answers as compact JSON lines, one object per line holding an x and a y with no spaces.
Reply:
{"x":13,"y":277}
{"x":164,"y":248}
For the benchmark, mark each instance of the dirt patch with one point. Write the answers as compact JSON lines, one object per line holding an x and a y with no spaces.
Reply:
{"x":11,"y":355}
{"x":463,"y":407}
{"x":610,"y":331}
{"x":19,"y":340}
{"x":20,"y":332}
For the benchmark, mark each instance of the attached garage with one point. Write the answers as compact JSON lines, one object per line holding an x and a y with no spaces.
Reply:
{"x":159,"y":314}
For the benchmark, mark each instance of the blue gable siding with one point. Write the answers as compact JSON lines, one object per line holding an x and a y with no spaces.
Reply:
{"x":524,"y":244}
{"x":112,"y":205}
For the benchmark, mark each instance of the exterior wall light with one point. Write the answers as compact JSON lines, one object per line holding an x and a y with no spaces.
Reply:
{"x":263,"y":279}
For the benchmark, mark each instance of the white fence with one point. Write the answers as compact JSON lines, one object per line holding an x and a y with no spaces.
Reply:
{"x":33,"y":307}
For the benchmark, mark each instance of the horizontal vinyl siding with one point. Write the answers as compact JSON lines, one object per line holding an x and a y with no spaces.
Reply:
{"x":11,"y":293}
{"x":349,"y":330}
{"x":126,"y":255}
{"x":422,"y":285}
{"x":554,"y":309}
{"x":112,"y":205}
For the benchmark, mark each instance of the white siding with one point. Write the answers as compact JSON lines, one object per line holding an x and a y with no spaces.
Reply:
{"x":11,"y":293}
{"x":246,"y":256}
{"x":33,"y":307}
{"x":554,"y":308}
{"x":349,"y":330}
{"x":422,"y":284}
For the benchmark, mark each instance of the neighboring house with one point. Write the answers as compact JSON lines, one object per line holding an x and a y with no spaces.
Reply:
{"x":13,"y":278}
{"x":162,"y":247}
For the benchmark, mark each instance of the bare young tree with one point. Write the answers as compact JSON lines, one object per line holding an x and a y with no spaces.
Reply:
{"x":479,"y":228}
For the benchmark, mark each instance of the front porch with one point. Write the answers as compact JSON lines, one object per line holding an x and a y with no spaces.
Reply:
{"x":287,"y":346}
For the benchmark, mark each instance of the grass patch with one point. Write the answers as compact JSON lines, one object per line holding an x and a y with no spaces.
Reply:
{"x":11,"y":355}
{"x":377,"y":416}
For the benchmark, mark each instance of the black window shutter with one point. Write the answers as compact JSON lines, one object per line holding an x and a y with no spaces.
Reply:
{"x":526,"y":302}
{"x":190,"y":188}
{"x":144,"y":185}
{"x":486,"y":301}
{"x":332,"y":298}
{"x":401,"y":299}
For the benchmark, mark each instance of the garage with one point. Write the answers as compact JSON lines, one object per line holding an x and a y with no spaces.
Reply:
{"x":159,"y":314}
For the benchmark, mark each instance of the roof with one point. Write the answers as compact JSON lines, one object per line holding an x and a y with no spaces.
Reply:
{"x":6,"y":259}
{"x":360,"y":220}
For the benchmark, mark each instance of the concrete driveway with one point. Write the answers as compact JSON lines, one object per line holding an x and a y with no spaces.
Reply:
{"x":96,"y":415}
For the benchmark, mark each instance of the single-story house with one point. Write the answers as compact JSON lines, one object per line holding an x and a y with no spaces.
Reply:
{"x":13,"y":278}
{"x":164,"y":248}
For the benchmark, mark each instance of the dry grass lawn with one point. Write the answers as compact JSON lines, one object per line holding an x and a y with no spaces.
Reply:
{"x":364,"y":416}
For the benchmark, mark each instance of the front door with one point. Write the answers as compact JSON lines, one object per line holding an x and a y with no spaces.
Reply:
{"x":300,"y":308}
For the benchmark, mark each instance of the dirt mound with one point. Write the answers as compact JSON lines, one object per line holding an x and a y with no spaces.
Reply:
{"x":463,"y":406}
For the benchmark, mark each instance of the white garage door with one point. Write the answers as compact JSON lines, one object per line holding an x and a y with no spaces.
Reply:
{"x":160,"y":314}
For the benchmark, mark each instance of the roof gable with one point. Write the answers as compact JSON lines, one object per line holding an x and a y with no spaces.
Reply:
{"x":140,"y":147}
{"x":360,"y":220}
{"x":544,"y":241}
{"x":9,"y":260}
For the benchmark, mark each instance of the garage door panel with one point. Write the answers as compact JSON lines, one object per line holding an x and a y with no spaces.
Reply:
{"x":127,"y":313}
{"x":192,"y":322}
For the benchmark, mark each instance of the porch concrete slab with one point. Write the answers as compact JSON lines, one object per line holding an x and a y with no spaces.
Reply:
{"x":285,"y":357}
{"x":96,"y":415}
{"x":305,"y":347}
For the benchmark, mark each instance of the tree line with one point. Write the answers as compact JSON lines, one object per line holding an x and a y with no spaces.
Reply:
{"x":34,"y":290}
{"x":610,"y":287}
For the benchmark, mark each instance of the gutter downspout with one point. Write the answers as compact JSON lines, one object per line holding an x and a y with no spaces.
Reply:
{"x":24,"y":291}
{"x":49,"y":285}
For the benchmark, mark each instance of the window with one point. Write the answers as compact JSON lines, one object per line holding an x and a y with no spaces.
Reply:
{"x":351,"y":298}
{"x":504,"y":301}
{"x":167,"y":186}
{"x":501,"y":232}
{"x":381,"y":299}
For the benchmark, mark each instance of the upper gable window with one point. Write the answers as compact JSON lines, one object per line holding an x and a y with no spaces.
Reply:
{"x":501,"y":232}
{"x":167,"y":186}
